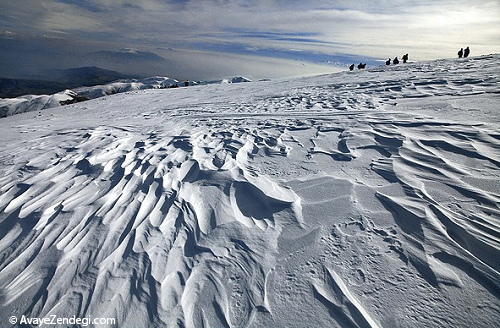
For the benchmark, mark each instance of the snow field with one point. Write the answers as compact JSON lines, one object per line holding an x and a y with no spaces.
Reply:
{"x":369,"y":199}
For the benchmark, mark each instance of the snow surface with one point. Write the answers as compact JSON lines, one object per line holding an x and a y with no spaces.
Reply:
{"x":358,"y":199}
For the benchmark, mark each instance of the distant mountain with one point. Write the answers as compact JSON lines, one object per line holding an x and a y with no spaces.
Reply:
{"x":29,"y":103}
{"x":125,"y":55}
{"x":56,"y":80}
{"x":154,"y":82}
{"x":32,"y":102}
{"x":237,"y":79}
{"x":84,"y":76}
{"x":11,"y":88}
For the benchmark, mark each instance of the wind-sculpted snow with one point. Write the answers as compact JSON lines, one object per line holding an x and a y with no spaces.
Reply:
{"x":332,"y":201}
{"x":157,"y":227}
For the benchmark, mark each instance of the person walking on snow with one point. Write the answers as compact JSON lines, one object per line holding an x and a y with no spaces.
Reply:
{"x":460,"y":52}
{"x":466,"y":52}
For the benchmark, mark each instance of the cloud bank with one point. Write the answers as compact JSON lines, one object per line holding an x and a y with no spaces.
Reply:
{"x":308,"y":31}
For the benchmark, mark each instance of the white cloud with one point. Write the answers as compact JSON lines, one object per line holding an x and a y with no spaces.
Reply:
{"x":62,"y":17}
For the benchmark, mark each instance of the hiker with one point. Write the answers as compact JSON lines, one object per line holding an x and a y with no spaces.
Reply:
{"x":395,"y":61}
{"x":460,"y":52}
{"x":405,"y":58}
{"x":388,"y":61}
{"x":361,"y":66}
{"x":466,"y":52}
{"x":351,"y":67}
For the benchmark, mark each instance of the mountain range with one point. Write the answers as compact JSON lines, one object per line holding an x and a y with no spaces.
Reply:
{"x":56,"y":80}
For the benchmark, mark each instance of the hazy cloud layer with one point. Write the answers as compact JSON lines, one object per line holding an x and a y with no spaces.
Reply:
{"x":378,"y":28}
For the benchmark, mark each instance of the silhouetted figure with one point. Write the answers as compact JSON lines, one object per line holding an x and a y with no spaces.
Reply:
{"x":466,"y":52}
{"x":460,"y":52}
{"x":361,"y":66}
{"x":186,"y":83}
{"x":351,"y":67}
{"x":388,"y":61}
{"x":405,"y":58}
{"x":395,"y":61}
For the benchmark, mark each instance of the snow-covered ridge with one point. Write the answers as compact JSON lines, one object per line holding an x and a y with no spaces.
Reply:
{"x":365,"y":199}
{"x":30,"y":103}
{"x":155,"y":82}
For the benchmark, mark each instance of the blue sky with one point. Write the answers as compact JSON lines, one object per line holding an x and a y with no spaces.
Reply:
{"x":310,"y":32}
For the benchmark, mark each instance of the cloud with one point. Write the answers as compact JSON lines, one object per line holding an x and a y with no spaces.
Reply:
{"x":86,"y":5}
{"x":65,"y":17}
{"x":379,"y":28}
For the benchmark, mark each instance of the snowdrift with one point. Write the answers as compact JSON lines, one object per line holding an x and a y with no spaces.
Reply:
{"x":358,"y":199}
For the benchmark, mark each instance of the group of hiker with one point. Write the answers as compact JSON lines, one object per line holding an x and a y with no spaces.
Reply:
{"x":395,"y":61}
{"x":461,"y":53}
{"x":360,"y":66}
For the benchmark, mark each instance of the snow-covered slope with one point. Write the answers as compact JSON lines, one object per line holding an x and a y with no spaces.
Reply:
{"x":359,"y":199}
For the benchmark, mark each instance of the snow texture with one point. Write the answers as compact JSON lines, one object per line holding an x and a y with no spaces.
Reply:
{"x":359,"y":199}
